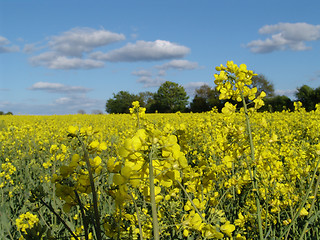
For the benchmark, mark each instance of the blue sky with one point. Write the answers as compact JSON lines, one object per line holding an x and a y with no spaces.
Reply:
{"x":59,"y":57}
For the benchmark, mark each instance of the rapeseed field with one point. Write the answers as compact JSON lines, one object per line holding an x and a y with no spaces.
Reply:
{"x":239,"y":174}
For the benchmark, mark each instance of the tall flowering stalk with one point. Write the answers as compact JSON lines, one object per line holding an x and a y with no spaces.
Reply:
{"x":234,"y":82}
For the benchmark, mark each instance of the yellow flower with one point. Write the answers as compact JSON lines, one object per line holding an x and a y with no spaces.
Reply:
{"x":228,"y":108}
{"x":93,"y":145}
{"x":303,"y":212}
{"x":73,"y":130}
{"x":227,"y":228}
{"x":239,"y":237}
{"x":208,"y":231}
{"x":26,"y":221}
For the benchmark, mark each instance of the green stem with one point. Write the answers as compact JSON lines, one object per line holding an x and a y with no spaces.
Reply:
{"x":54,"y":219}
{"x":94,"y":194}
{"x":119,"y":222}
{"x":58,"y":216}
{"x":83,"y":216}
{"x":192,"y":203}
{"x":156,"y":229}
{"x":254,"y":179}
{"x":305,"y":200}
{"x":138,"y":215}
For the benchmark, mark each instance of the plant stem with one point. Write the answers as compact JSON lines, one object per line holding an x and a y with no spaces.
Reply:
{"x":254,"y":179}
{"x":303,"y":203}
{"x":84,"y":219}
{"x":58,"y":216}
{"x":192,"y":203}
{"x":94,"y":194}
{"x":156,"y":234}
{"x":138,"y":215}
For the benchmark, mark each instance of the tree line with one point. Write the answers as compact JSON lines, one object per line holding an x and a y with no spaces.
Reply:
{"x":7,"y":113}
{"x":172,"y":97}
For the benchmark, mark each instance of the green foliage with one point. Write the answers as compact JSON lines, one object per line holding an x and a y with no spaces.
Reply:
{"x":308,"y":96}
{"x":146,"y":99}
{"x":170,"y":97}
{"x":8,"y":113}
{"x":277,"y":104}
{"x":121,"y":102}
{"x":205,"y":99}
{"x":262,"y":84}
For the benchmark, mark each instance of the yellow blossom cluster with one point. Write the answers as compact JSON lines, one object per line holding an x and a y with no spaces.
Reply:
{"x":234,"y":82}
{"x":26,"y":221}
{"x":5,"y":175}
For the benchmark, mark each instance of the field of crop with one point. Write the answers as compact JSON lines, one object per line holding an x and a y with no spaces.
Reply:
{"x":239,"y":174}
{"x":206,"y":184}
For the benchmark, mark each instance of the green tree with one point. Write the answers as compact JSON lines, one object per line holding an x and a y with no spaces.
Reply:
{"x":8,"y":113}
{"x":317,"y":95}
{"x":262,"y":84}
{"x":307,"y":96}
{"x":146,"y":100}
{"x":277,"y":104}
{"x":205,"y":99}
{"x":199,"y":104}
{"x":121,"y":102}
{"x":170,"y":97}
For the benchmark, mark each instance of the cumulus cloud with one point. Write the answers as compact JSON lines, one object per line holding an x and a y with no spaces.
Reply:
{"x":32,"y":47}
{"x":79,"y":40}
{"x":149,"y":81}
{"x":146,"y":78}
{"x":29,"y":48}
{"x":285,"y":36}
{"x":179,"y":64}
{"x":63,"y":62}
{"x":287,"y":92}
{"x":58,"y":88}
{"x":144,"y":51}
{"x":53,"y":60}
{"x":142,"y":73}
{"x":192,"y":86}
{"x":4,"y":48}
{"x":66,"y":50}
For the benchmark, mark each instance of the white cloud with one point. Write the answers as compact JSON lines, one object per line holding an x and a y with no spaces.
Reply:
{"x":66,"y":50}
{"x":287,"y":92}
{"x":58,"y":88}
{"x":78,"y":102}
{"x":146,"y":78}
{"x":180,"y":65}
{"x":32,"y":47}
{"x":29,"y":48}
{"x":192,"y":86}
{"x":55,"y":61}
{"x":285,"y":36}
{"x":63,"y":62}
{"x":6,"y":49}
{"x":79,"y":40}
{"x":142,"y":73}
{"x":162,"y":73}
{"x":3,"y":41}
{"x":144,"y":51}
{"x":151,"y":82}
